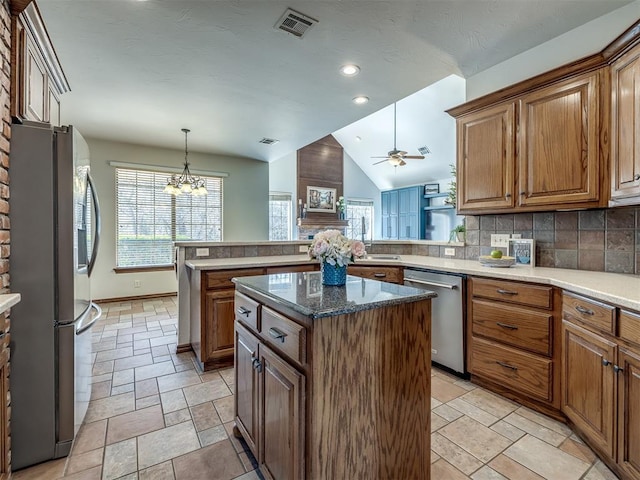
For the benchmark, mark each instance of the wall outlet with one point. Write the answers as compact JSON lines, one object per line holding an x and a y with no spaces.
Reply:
{"x":303,"y":249}
{"x":202,"y":252}
{"x":450,"y":252}
{"x":137,"y":284}
{"x":516,"y":235}
{"x":499,"y":240}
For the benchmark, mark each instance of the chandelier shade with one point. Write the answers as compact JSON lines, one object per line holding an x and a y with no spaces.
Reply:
{"x":185,"y":182}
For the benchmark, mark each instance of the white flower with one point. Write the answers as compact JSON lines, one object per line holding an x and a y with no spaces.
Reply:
{"x":333,"y":247}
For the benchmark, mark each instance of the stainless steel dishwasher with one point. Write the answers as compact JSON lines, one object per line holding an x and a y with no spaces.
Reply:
{"x":447,"y":317}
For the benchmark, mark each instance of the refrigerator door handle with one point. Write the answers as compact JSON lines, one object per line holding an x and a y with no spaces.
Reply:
{"x":80,"y":329}
{"x":96,"y":238}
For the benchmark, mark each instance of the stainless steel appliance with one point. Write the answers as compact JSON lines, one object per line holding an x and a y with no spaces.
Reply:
{"x":55,"y":227}
{"x":447,"y":318}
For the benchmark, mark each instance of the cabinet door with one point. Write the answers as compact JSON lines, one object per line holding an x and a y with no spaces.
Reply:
{"x":485,"y":179}
{"x":629,"y":412}
{"x":588,"y":384}
{"x":218,"y":339}
{"x":281,"y":418}
{"x":37,"y":91}
{"x":625,"y":127}
{"x":559,"y":155}
{"x":5,"y":409}
{"x":246,"y":393}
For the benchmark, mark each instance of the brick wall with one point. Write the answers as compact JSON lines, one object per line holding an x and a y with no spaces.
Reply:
{"x":5,"y":137}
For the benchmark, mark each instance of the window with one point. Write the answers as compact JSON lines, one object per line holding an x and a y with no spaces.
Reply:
{"x":279,"y":216}
{"x":149,"y":220}
{"x":356,"y":212}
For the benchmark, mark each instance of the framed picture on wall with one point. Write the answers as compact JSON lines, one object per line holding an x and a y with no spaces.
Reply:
{"x":321,"y":199}
{"x":523,"y":250}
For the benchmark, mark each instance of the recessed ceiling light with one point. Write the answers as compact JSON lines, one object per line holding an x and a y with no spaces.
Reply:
{"x":360,"y":100}
{"x":349,"y":70}
{"x":358,"y":138}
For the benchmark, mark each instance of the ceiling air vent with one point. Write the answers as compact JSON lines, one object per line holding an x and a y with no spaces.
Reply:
{"x":295,"y":23}
{"x":268,"y":141}
{"x":424,"y":150}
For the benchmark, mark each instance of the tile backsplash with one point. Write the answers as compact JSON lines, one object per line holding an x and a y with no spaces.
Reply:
{"x":606,"y":240}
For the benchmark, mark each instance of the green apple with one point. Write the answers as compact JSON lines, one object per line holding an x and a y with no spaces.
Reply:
{"x":496,"y":254}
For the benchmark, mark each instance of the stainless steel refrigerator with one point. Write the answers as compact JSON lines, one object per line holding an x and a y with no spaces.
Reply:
{"x":55,"y":227}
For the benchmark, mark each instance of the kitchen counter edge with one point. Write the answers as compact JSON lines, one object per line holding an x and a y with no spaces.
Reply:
{"x":8,"y":300}
{"x":620,"y":289}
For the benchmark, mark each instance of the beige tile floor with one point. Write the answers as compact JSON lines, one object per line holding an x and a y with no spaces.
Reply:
{"x":155,"y":416}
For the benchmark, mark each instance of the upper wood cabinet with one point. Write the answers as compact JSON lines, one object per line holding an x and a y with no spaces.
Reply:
{"x":486,"y":158}
{"x":625,"y":128}
{"x":540,"y":150}
{"x":37,"y":79}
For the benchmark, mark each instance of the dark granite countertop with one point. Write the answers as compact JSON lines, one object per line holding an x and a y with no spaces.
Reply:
{"x":304,"y":293}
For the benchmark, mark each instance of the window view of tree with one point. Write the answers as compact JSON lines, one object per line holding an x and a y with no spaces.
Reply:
{"x":149,"y":220}
{"x":356,"y":212}
{"x":279,"y":216}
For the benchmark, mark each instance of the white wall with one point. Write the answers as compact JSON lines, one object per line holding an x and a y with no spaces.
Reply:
{"x":358,"y":186}
{"x":283,"y":175}
{"x":580,"y":42}
{"x":245,"y":208}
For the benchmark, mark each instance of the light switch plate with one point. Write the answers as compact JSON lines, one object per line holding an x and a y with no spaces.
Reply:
{"x":450,"y":252}
{"x":499,"y":240}
{"x":202,"y":252}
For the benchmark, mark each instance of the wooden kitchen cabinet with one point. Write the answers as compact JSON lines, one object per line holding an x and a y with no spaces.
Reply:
{"x":559,"y":161}
{"x":588,"y":384}
{"x":625,"y":129}
{"x":378,"y":272}
{"x":512,"y":344}
{"x":37,"y":78}
{"x":246,"y":394}
{"x":601,"y":379}
{"x":486,"y":159}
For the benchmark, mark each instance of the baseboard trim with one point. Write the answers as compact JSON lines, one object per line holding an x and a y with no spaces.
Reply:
{"x":183,"y":348}
{"x":137,"y":297}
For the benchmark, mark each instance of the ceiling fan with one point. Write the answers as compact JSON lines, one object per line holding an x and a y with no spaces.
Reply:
{"x":397,"y":157}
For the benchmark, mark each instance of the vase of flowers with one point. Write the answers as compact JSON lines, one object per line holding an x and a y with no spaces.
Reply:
{"x":341,"y":205}
{"x":335,"y":252}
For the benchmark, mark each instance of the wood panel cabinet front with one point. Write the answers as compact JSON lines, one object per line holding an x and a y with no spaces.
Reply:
{"x":486,"y":159}
{"x":559,"y":154}
{"x":218,"y":341}
{"x":625,"y":128}
{"x":382,"y":273}
{"x":588,"y":384}
{"x":629,"y":411}
{"x":246,"y":393}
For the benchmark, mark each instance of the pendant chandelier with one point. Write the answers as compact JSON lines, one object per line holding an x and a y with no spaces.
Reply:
{"x":185,"y":182}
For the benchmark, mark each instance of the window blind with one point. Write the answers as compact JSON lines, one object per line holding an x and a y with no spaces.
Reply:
{"x":149,"y":220}
{"x":279,"y":216}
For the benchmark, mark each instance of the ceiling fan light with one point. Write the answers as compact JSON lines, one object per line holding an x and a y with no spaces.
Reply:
{"x":395,"y":161}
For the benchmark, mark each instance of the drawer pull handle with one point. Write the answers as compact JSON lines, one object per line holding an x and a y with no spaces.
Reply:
{"x":584,"y":311}
{"x":506,"y":325}
{"x":257,"y":365}
{"x":618,"y":369}
{"x":243,"y":311}
{"x":506,"y":365}
{"x":277,"y":334}
{"x":379,"y":275}
{"x":506,"y":292}
{"x":636,"y":177}
{"x":605,"y":362}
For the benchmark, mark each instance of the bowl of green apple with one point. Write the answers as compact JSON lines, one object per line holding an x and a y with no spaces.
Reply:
{"x":497,"y":259}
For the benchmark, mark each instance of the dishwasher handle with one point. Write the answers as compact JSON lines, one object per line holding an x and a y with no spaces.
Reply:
{"x":431,"y":283}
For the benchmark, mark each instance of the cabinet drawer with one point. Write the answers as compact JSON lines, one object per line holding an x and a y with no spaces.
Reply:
{"x":247,"y":311}
{"x":513,"y":292}
{"x":517,"y":326}
{"x":307,"y":267}
{"x":222,"y":278}
{"x":589,"y":312}
{"x":284,"y":335}
{"x":384,"y":274}
{"x":518,"y":370}
{"x":629,"y":326}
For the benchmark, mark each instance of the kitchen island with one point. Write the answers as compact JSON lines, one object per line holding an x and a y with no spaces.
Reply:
{"x":333,"y":382}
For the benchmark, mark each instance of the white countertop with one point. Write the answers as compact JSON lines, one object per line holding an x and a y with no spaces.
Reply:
{"x":8,"y":300}
{"x":622,"y":290}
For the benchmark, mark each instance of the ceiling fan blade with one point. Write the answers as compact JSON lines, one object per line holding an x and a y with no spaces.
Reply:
{"x":381,"y":161}
{"x":386,"y":156}
{"x":414,"y":157}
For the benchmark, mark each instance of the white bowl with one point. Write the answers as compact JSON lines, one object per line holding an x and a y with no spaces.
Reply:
{"x":503,"y":262}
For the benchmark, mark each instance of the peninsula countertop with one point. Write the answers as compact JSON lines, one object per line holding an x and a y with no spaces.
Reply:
{"x":620,"y":289}
{"x":305,"y":294}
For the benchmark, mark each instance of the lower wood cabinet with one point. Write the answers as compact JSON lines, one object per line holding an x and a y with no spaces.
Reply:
{"x":384,"y":273}
{"x":601,"y":380}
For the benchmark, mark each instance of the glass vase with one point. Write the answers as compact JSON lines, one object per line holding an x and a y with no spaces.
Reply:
{"x":333,"y":275}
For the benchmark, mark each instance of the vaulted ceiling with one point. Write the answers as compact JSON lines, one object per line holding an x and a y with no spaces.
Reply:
{"x":142,"y":70}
